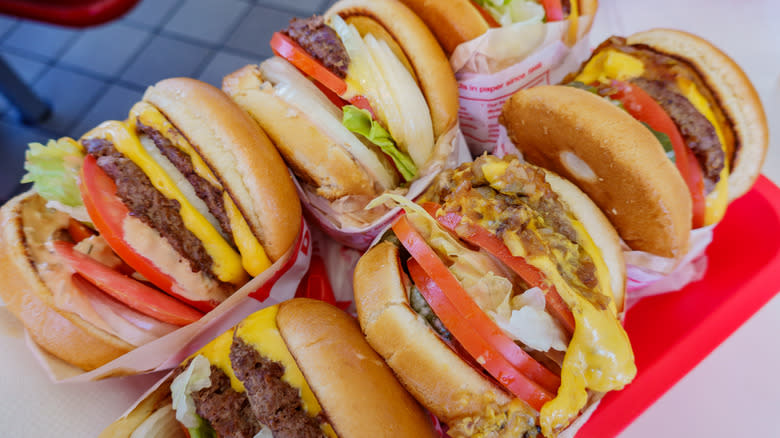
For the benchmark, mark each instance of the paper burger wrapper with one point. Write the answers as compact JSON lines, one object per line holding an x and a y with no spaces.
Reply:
{"x":346,"y":221}
{"x":274,"y":285}
{"x":492,"y":67}
{"x":647,"y":274}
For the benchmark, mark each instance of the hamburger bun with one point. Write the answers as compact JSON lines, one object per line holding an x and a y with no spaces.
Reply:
{"x":611,"y":157}
{"x":733,"y":91}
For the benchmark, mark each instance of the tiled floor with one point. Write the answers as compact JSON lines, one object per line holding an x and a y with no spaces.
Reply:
{"x":96,"y":74}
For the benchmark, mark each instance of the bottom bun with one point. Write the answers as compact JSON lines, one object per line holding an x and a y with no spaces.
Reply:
{"x":61,"y":333}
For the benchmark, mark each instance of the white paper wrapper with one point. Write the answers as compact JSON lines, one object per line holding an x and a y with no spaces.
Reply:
{"x":350,"y":227}
{"x":647,"y":274}
{"x":492,"y":67}
{"x":652,"y":275}
{"x":276,"y":284}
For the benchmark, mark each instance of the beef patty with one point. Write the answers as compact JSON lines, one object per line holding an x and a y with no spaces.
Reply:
{"x":227,"y":411}
{"x":149,"y":205}
{"x":697,"y":131}
{"x":274,"y":402}
{"x":321,"y":42}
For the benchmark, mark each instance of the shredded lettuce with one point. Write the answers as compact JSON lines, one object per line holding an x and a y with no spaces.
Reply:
{"x":507,"y":12}
{"x":54,"y":170}
{"x":360,"y":122}
{"x":196,"y":377}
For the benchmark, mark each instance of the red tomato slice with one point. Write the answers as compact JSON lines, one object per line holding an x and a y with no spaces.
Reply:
{"x":553,"y":10}
{"x":645,"y":109}
{"x":78,"y":231}
{"x":476,"y":346}
{"x":135,"y":294}
{"x":108,"y":213}
{"x":287,"y":48}
{"x":464,"y":305}
{"x":479,"y":236}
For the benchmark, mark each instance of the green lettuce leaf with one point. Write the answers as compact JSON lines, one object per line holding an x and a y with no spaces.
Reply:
{"x":54,"y":170}
{"x":360,"y":122}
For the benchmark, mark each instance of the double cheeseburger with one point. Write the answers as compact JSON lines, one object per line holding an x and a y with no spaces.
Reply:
{"x":701,"y":107}
{"x":498,"y":300}
{"x":143,"y":224}
{"x":457,"y":21}
{"x":357,"y":100}
{"x":298,"y":369}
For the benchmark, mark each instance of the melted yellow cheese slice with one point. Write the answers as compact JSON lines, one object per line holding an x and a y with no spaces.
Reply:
{"x":608,"y":65}
{"x":599,"y":356}
{"x":261,"y":332}
{"x":226,"y":262}
{"x":253,"y":257}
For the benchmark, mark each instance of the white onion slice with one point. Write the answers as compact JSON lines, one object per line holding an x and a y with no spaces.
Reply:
{"x":298,"y":92}
{"x":376,"y":73}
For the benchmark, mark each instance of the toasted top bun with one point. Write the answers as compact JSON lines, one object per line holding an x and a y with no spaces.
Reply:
{"x":240,"y":155}
{"x":61,"y":333}
{"x":734,"y":92}
{"x":443,"y":382}
{"x":358,"y":392}
{"x":430,"y":64}
{"x":611,"y":157}
{"x":454,"y":22}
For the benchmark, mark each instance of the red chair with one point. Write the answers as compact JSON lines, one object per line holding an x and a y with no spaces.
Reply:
{"x":73,"y":13}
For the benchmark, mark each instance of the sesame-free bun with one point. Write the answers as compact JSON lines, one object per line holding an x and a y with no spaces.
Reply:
{"x":733,"y":91}
{"x":356,"y":389}
{"x":454,"y":22}
{"x":61,"y":333}
{"x":240,"y":155}
{"x":611,"y":157}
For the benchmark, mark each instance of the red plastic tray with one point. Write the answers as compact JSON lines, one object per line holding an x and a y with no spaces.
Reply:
{"x":702,"y":315}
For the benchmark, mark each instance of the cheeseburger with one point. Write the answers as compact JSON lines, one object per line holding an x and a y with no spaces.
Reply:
{"x":357,"y":101}
{"x":298,"y":369}
{"x":143,"y":224}
{"x":454,"y":22}
{"x":498,"y":301}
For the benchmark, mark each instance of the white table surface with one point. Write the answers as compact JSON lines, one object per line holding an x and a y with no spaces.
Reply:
{"x":734,"y":392}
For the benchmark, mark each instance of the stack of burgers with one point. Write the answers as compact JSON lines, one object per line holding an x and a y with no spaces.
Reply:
{"x":491,"y":306}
